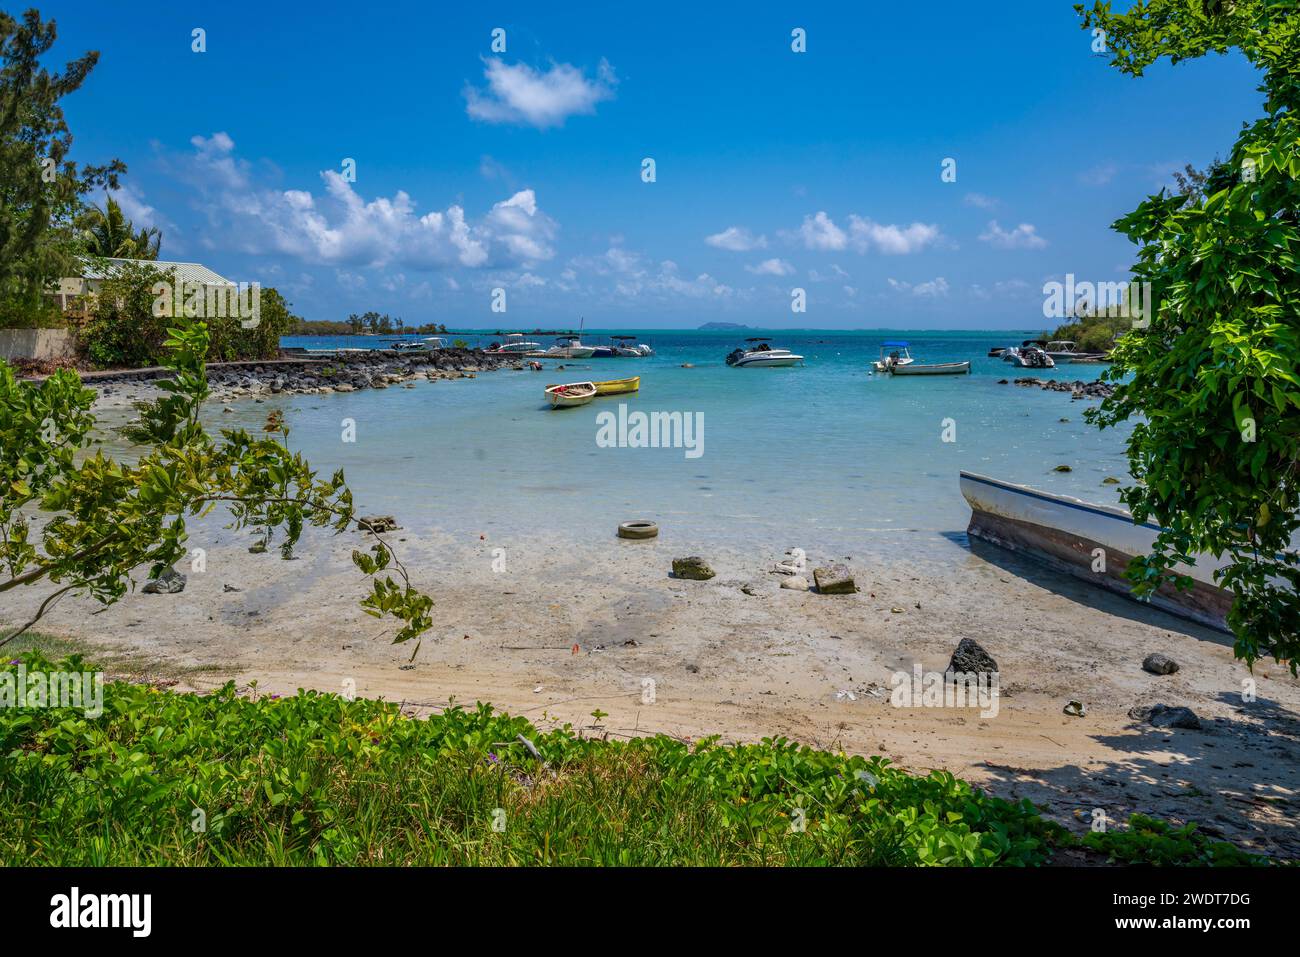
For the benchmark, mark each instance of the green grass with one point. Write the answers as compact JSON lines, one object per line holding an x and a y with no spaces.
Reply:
{"x":316,"y":779}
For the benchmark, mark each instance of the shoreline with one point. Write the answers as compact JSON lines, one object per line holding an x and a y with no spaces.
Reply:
{"x":743,"y":658}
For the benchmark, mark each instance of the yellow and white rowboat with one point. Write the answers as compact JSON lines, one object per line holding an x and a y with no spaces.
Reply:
{"x":571,"y":394}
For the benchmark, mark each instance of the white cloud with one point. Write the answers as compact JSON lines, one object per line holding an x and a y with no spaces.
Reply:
{"x":521,"y":94}
{"x":820,"y":232}
{"x":934,"y":288}
{"x":631,"y":277}
{"x":980,"y":201}
{"x":738,"y":239}
{"x":817,"y":276}
{"x":1099,"y":175}
{"x":1024,"y":236}
{"x":864,"y":235}
{"x":892,"y":240}
{"x":341,"y":228}
{"x":771,"y":267}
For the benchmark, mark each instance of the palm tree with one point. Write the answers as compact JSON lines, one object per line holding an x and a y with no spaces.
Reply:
{"x":107,"y":232}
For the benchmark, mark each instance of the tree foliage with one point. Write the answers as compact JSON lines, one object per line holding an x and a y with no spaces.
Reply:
{"x":40,"y":187}
{"x":107,"y":232}
{"x":106,"y":520}
{"x":1213,"y":385}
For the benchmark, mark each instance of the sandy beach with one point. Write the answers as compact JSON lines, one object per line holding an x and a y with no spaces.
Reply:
{"x":555,"y":630}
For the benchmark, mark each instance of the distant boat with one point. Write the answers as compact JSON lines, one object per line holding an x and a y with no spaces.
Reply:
{"x":420,"y":345}
{"x":619,"y":386}
{"x":1066,"y":533}
{"x":898,"y":355}
{"x":761,"y":354}
{"x":624,"y":346}
{"x":1030,"y":354}
{"x":514,"y":343}
{"x":569,"y":347}
{"x":570,"y":394}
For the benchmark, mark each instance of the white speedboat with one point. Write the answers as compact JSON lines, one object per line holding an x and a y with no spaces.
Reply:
{"x":515,"y":344}
{"x":569,"y":347}
{"x":420,"y":345}
{"x":1029,"y":355}
{"x":628,"y":348}
{"x":757,"y":352}
{"x":892,"y":356}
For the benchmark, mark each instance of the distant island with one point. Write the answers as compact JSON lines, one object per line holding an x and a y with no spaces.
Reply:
{"x":724,"y":327}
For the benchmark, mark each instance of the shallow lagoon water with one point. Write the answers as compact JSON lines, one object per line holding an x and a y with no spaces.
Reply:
{"x":823,"y":454}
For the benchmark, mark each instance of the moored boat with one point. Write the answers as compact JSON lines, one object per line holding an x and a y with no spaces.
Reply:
{"x":570,"y":394}
{"x":757,"y":352}
{"x":619,"y":386}
{"x":892,"y":356}
{"x":1090,"y":541}
{"x":936,"y":368}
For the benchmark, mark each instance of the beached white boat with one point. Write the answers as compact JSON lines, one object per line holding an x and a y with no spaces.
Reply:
{"x":892,"y":356}
{"x":420,"y":345}
{"x":570,"y":394}
{"x":757,"y":352}
{"x":1064,"y":533}
{"x":935,"y":368}
{"x":1063,"y":350}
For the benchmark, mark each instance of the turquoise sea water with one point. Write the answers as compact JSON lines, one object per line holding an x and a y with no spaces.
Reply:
{"x":823,"y":453}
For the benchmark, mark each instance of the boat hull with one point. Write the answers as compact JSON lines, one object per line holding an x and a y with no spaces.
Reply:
{"x":1065,"y":533}
{"x":757,"y":361}
{"x":619,"y":386}
{"x":937,"y":368}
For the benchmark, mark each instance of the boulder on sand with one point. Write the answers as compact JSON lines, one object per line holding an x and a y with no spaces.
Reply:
{"x":168,"y":583}
{"x":1159,"y":664}
{"x":692,"y":567}
{"x":971,"y":659}
{"x":1165,"y":716}
{"x":834,"y":580}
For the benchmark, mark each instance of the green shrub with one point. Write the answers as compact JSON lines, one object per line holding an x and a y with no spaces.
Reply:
{"x":317,"y":779}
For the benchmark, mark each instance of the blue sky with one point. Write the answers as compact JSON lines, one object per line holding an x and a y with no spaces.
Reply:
{"x":521,"y":170}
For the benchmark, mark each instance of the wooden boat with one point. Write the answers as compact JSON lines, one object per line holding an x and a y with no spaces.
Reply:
{"x":570,"y":394}
{"x":936,"y":368}
{"x":1065,"y":533}
{"x":619,"y":386}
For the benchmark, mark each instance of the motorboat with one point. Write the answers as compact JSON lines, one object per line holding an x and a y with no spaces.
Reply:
{"x":420,"y":345}
{"x":1063,"y":350}
{"x":627,"y":347}
{"x":569,"y":347}
{"x":892,"y":356}
{"x":757,"y":352}
{"x":570,"y":394}
{"x":1030,"y":354}
{"x":514,"y":343}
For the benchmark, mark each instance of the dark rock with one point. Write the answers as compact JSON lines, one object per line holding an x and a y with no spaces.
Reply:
{"x":692,"y":567}
{"x":168,"y":583}
{"x":1165,"y":716}
{"x":970,"y":658}
{"x":1159,"y":664}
